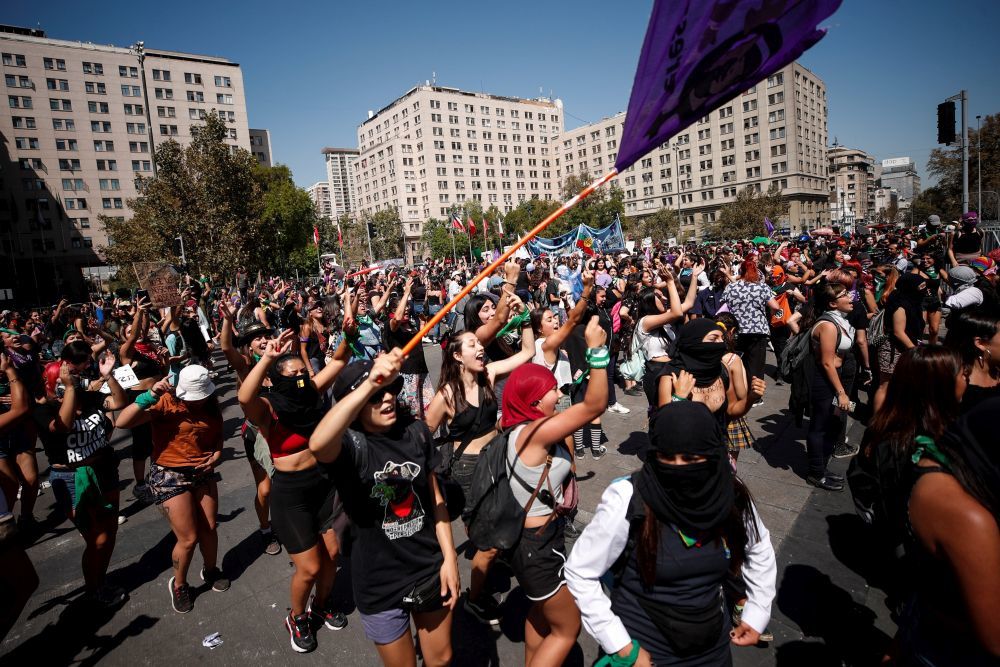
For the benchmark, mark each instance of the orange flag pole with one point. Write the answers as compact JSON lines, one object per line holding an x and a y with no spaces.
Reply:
{"x":504,"y":257}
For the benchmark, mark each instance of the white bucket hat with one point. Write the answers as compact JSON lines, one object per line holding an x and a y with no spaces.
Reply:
{"x":193,"y":384}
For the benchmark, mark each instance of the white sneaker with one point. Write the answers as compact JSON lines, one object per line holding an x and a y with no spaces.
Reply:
{"x":619,"y":409}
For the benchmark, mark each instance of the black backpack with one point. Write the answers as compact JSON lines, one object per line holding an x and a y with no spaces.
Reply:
{"x":496,"y":518}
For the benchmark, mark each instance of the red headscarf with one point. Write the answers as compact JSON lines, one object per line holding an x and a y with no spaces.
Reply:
{"x":525,"y":387}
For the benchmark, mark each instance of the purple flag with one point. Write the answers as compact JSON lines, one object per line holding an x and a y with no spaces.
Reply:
{"x":701,"y":53}
{"x":768,"y":225}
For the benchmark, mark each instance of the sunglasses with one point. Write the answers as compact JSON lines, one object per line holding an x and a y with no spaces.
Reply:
{"x":395,"y":388}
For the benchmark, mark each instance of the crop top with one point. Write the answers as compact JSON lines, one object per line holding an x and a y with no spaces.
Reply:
{"x":282,"y":441}
{"x":475,"y":420}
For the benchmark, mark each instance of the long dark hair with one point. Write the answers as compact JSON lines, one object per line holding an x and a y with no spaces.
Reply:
{"x":647,"y":303}
{"x":920,"y":399}
{"x":736,"y":530}
{"x":451,"y":373}
{"x":966,"y":326}
{"x":475,"y":303}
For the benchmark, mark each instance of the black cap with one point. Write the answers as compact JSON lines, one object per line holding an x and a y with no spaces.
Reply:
{"x":250,"y":331}
{"x":351,"y":378}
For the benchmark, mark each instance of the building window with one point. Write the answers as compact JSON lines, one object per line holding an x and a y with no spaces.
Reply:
{"x":57,"y":84}
{"x":97,"y":107}
{"x":192,"y":78}
{"x":223,"y":98}
{"x":161,"y":75}
{"x":128,"y":72}
{"x":223,"y":82}
{"x":164,"y":93}
{"x":16,"y":60}
{"x":95,"y":88}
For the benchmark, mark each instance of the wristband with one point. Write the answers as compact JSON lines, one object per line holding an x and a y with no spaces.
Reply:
{"x":615,"y":660}
{"x":674,"y":398}
{"x":598,"y":357}
{"x":146,"y":400}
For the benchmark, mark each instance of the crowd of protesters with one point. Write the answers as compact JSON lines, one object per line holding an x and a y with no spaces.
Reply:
{"x":350,"y":443}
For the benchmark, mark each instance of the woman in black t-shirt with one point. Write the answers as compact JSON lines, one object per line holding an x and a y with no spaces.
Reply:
{"x":403,"y":558}
{"x":76,"y":434}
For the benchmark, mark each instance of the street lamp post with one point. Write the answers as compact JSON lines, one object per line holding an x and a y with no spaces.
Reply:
{"x":677,"y":179}
{"x":979,"y":163}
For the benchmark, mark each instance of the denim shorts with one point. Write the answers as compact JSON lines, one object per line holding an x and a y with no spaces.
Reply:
{"x":166,"y":483}
{"x":64,"y":482}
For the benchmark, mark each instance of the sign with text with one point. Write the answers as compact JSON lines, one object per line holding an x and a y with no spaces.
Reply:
{"x":160,"y":280}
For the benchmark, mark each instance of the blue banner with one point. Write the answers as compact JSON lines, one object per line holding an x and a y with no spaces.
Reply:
{"x":607,"y":239}
{"x":560,"y":245}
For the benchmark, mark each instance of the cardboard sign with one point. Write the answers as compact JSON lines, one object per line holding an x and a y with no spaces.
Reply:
{"x":160,"y":280}
{"x":126,"y":378}
{"x":647,"y":242}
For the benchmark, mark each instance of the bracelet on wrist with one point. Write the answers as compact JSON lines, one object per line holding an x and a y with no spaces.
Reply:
{"x":674,"y":398}
{"x":598,"y":357}
{"x":615,"y":660}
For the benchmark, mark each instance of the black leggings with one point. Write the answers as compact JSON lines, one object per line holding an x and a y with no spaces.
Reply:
{"x":302,"y":507}
{"x":825,"y":427}
{"x":754,"y":349}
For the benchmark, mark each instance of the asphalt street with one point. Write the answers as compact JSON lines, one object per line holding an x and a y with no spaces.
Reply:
{"x":829,"y":610}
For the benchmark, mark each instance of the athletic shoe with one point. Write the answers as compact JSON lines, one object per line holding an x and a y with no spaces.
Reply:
{"x":300,"y":634}
{"x":598,"y":452}
{"x":486,"y":609}
{"x":580,"y":452}
{"x":107,"y":596}
{"x":834,"y":476}
{"x":215,"y":577}
{"x":825,"y":483}
{"x":618,"y":408}
{"x":759,"y":403}
{"x":634,"y":391}
{"x":335,"y":620}
{"x":845,"y":450}
{"x":272,"y":547}
{"x":180,"y":597}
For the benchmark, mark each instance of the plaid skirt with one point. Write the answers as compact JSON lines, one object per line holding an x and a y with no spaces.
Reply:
{"x":738,"y":434}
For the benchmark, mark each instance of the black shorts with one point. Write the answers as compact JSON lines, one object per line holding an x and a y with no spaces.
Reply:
{"x":538,"y":561}
{"x":930,"y":304}
{"x":303,"y":505}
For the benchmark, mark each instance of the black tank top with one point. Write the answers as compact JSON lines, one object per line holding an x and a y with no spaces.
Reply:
{"x":475,"y":420}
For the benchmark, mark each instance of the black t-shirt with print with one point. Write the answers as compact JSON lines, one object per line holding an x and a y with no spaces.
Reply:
{"x":90,"y":432}
{"x":383,"y":482}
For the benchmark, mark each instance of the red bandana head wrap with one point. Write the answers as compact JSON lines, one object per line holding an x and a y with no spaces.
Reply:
{"x":525,"y":387}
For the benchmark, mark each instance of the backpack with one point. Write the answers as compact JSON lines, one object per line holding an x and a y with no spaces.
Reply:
{"x":797,"y":349}
{"x":876,"y":330}
{"x":616,"y":318}
{"x":797,"y":367}
{"x":635,"y":366}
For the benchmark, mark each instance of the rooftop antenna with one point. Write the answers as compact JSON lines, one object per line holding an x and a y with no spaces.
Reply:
{"x":434,"y":78}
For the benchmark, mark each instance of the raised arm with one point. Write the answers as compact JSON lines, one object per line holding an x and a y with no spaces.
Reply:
{"x":523,"y":356}
{"x":19,"y":403}
{"x":125,"y":352}
{"x":233,"y":356}
{"x":327,"y":440}
{"x":555,"y":341}
{"x":254,"y":407}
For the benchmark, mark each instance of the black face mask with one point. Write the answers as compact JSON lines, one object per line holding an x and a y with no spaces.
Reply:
{"x":703,"y":361}
{"x":296,"y":402}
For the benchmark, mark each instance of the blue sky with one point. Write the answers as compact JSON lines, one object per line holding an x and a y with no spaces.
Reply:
{"x":312,"y":70}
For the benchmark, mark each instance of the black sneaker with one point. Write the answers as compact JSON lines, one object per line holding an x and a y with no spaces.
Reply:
{"x":300,"y":634}
{"x":215,"y":577}
{"x":845,"y":450}
{"x":107,"y":596}
{"x":598,"y":452}
{"x":834,"y":476}
{"x":272,"y":547}
{"x":634,"y":391}
{"x":486,"y":609}
{"x":825,"y":483}
{"x":580,"y":452}
{"x":335,"y":620}
{"x":180,"y":597}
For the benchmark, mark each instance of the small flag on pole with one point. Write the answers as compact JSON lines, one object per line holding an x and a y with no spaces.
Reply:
{"x":316,"y":235}
{"x":456,"y":222}
{"x":768,"y":225}
{"x":698,"y":55}
{"x":472,"y":226}
{"x":340,"y":236}
{"x":500,"y":224}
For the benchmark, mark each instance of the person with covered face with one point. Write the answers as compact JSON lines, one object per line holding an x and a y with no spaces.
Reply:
{"x":303,"y":500}
{"x":671,"y":534}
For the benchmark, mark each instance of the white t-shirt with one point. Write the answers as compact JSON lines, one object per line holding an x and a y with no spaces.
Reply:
{"x":561,"y":369}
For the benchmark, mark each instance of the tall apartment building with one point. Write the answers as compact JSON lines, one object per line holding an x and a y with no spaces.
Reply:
{"x":434,"y":148}
{"x":260,"y":146}
{"x":852,"y":184}
{"x":80,"y":123}
{"x":319,"y":192}
{"x":773,"y":134}
{"x":340,"y":177}
{"x":900,"y":174}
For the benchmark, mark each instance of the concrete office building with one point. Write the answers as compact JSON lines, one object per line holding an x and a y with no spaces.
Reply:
{"x":319,"y":192}
{"x":340,"y":177}
{"x":900,"y":174}
{"x":435,"y":148}
{"x":771,"y":135}
{"x":885,"y":200}
{"x":852,"y":184}
{"x":260,"y":146}
{"x":80,"y":123}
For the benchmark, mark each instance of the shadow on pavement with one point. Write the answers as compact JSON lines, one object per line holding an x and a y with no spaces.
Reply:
{"x":76,"y":630}
{"x":635,"y":445}
{"x":779,"y":447}
{"x":821,"y":609}
{"x":240,"y":557}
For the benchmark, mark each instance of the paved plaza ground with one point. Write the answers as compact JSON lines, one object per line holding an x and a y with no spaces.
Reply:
{"x":828,"y":610}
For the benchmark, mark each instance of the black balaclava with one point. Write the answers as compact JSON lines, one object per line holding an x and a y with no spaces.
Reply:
{"x":700,"y":359}
{"x":696,"y":497}
{"x":294,"y":399}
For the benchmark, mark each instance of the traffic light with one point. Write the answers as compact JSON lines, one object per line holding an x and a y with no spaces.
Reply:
{"x":371,"y":230}
{"x":946,"y":123}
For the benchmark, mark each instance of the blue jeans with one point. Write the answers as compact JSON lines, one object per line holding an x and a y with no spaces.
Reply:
{"x":433,"y":309}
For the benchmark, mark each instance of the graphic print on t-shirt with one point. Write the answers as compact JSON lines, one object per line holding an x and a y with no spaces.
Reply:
{"x":404,"y":515}
{"x":86,"y":438}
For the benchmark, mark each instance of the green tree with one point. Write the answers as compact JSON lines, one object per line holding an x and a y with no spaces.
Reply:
{"x":387,"y":236}
{"x":204,"y":193}
{"x":597,"y":210}
{"x":744,"y":217}
{"x":525,"y":216}
{"x":437,"y":239}
{"x":945,"y":164}
{"x":660,"y":225}
{"x":289,"y":215}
